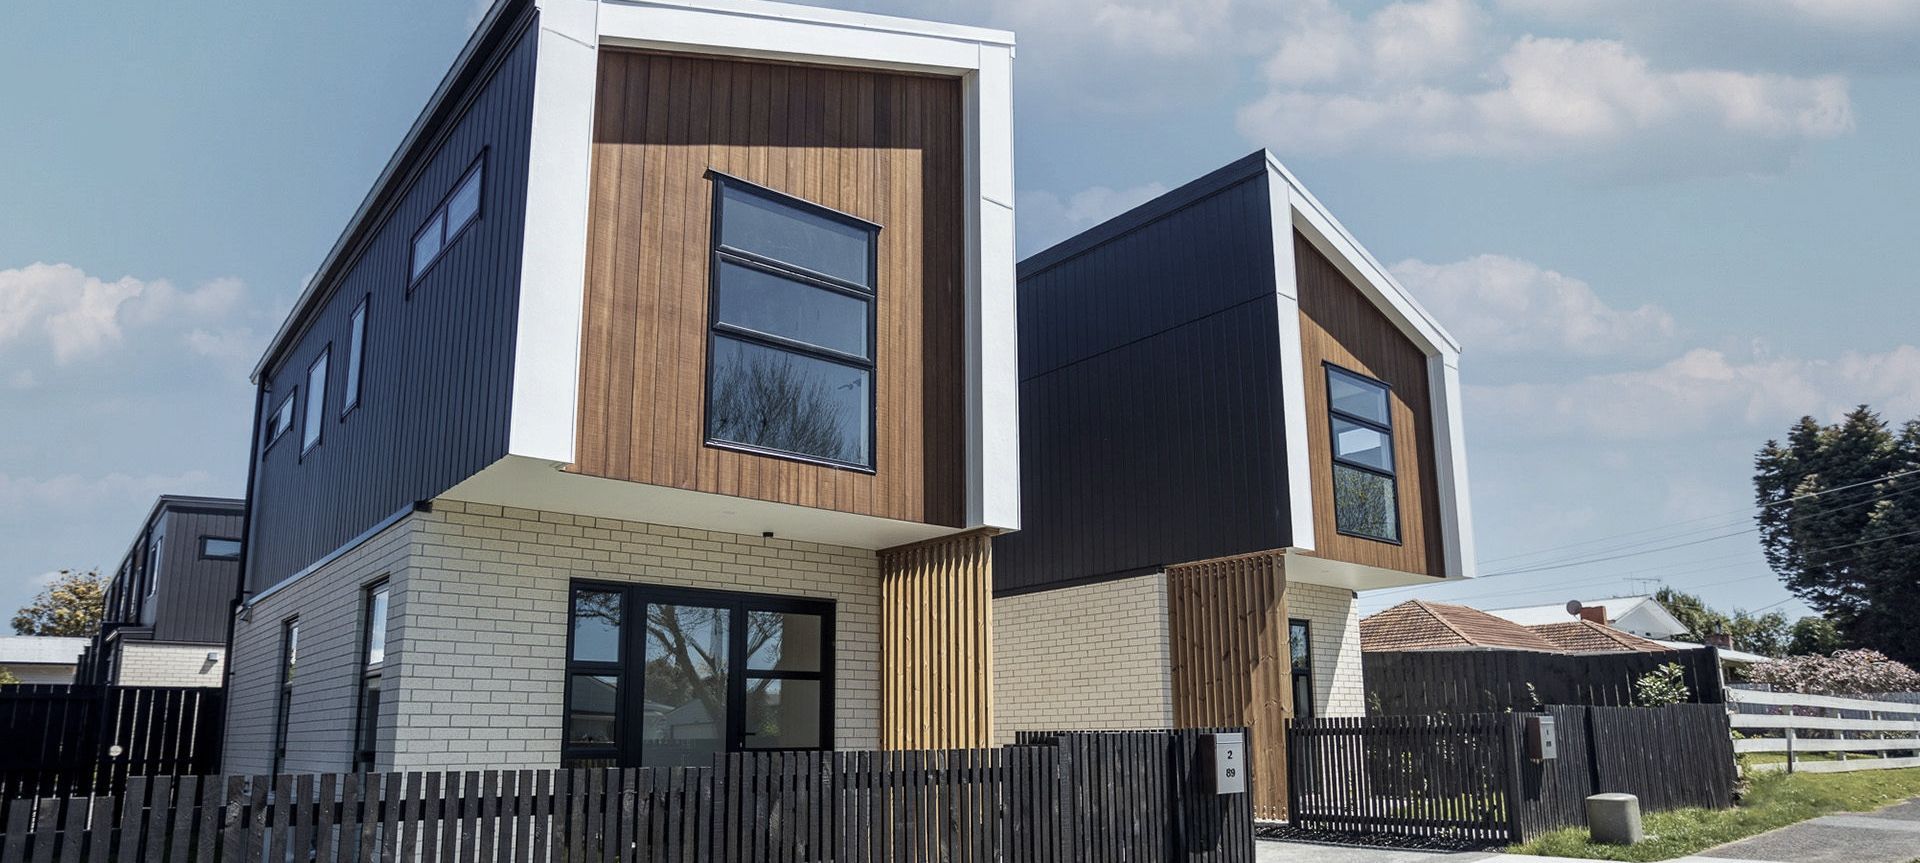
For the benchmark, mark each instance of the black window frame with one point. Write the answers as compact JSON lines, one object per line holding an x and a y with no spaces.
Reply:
{"x":283,"y":694}
{"x":438,"y":217}
{"x":356,"y":371}
{"x":1297,"y":675}
{"x":273,"y":432}
{"x":370,"y":672}
{"x":208,"y":539}
{"x":716,"y":329}
{"x":320,"y":426}
{"x":629,"y":669}
{"x":1333,"y":451}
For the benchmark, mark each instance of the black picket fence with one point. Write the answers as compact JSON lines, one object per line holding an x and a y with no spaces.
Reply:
{"x":64,"y":740}
{"x":1418,"y":683}
{"x":1116,"y":798}
{"x":1467,"y":776}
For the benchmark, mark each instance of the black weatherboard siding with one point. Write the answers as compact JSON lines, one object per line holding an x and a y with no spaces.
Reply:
{"x":1151,"y":426}
{"x":437,"y":373}
{"x":195,"y":593}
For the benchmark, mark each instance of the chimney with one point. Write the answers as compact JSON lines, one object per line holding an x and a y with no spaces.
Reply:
{"x":1721,"y":640}
{"x":1595,"y":613}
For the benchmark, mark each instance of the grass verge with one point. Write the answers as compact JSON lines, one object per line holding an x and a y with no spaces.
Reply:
{"x":1774,"y":800}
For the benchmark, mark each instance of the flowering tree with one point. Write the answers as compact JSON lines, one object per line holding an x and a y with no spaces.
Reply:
{"x":1844,"y":672}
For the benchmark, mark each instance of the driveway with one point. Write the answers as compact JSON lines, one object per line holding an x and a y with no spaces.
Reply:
{"x":1890,"y":835}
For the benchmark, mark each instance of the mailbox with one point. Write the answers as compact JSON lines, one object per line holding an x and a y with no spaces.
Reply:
{"x":1542,"y":744}
{"x":1228,"y":752}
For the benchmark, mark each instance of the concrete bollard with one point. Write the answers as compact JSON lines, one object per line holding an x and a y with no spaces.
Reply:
{"x":1614,"y":819}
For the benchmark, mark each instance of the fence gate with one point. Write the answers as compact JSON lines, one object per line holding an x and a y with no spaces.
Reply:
{"x":1421,"y":775}
{"x":65,"y":740}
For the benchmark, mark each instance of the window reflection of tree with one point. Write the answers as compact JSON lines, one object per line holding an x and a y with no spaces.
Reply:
{"x":687,"y":655}
{"x":1363,"y":503}
{"x":770,"y":401}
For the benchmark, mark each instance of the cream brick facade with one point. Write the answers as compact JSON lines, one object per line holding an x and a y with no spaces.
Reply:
{"x":1334,"y":621}
{"x":147,"y":663}
{"x":1083,"y":657}
{"x":477,"y":632}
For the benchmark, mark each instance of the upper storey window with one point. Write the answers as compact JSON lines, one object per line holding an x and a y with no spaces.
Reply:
{"x":790,"y":366}
{"x":448,"y":220}
{"x":1364,"y":500}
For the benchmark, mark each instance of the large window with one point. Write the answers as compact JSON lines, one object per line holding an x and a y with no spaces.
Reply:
{"x":283,"y":704}
{"x":1364,"y":501}
{"x":664,"y":677}
{"x":374,"y":661}
{"x":448,"y":220}
{"x":1300,"y":652}
{"x":316,"y":401}
{"x":790,"y":359}
{"x":356,"y":356}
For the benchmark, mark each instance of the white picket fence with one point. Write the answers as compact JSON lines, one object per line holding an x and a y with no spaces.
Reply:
{"x":1884,"y":734}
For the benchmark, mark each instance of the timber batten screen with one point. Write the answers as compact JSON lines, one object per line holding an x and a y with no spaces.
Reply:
{"x":936,"y":674}
{"x":1227,"y":633}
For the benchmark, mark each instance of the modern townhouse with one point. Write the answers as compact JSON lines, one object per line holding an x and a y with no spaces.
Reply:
{"x":166,"y":607}
{"x":1232,"y":418}
{"x":658,"y":401}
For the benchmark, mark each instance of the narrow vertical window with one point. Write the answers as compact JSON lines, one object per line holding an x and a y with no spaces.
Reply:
{"x":356,"y":353}
{"x":790,"y":358}
{"x":1364,"y":495}
{"x":153,"y":563}
{"x":277,"y":423}
{"x":374,"y":653}
{"x":283,"y":705}
{"x":1300,"y":647}
{"x":316,"y":401}
{"x":594,"y":678}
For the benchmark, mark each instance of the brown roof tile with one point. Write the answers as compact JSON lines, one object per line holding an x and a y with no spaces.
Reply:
{"x":1586,"y":636}
{"x":1421,"y":625}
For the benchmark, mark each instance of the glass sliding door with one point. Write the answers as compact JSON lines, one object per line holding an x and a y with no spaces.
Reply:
{"x":663,"y":677}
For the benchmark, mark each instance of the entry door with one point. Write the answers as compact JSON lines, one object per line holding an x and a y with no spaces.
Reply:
{"x":662,"y":677}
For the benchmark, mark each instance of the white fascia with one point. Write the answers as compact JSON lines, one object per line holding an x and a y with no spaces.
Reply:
{"x":1306,"y":214}
{"x":553,"y":278}
{"x":1293,"y":373}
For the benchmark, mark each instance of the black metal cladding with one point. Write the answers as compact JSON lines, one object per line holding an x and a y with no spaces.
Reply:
{"x":437,"y":371}
{"x":1151,"y":426}
{"x":191,"y":598}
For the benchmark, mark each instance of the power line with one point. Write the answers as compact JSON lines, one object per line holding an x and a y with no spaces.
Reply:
{"x":1745,"y":511}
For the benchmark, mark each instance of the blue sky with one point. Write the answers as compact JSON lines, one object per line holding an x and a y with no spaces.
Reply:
{"x":1662,"y":234}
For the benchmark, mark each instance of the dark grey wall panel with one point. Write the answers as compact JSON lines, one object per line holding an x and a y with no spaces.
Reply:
{"x":1150,"y":412}
{"x":438,"y":365}
{"x":195,"y":594}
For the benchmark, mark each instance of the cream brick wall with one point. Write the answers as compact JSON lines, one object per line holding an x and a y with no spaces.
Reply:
{"x":1082,"y":657}
{"x":477,"y":653}
{"x":329,"y":603}
{"x":144,"y":663}
{"x":1334,"y":622}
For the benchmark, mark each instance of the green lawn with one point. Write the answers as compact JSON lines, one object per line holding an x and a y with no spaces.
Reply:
{"x":1775,"y":800}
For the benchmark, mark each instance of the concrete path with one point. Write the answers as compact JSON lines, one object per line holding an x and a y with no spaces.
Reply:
{"x":1270,"y":851}
{"x":1891,"y":835}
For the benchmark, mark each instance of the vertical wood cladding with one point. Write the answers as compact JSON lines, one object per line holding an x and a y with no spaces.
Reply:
{"x":1150,"y":416}
{"x":1339,"y":325}
{"x":884,"y":147}
{"x":936,"y":609}
{"x":1227,"y":628}
{"x":435,"y":390}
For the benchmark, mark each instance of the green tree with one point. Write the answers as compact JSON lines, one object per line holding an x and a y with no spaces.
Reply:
{"x":6,"y":676}
{"x":1840,"y":523}
{"x":70,"y":606}
{"x":1810,"y":635}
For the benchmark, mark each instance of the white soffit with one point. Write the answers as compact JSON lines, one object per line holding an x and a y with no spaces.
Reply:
{"x":534,"y":484}
{"x":1304,"y":566}
{"x":751,"y":28}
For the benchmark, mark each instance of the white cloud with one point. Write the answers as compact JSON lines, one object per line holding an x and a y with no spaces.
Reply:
{"x":79,"y":316}
{"x":1547,"y":97}
{"x":1047,"y":218}
{"x":1703,"y":392}
{"x":1504,"y":305}
{"x":22,"y":379}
